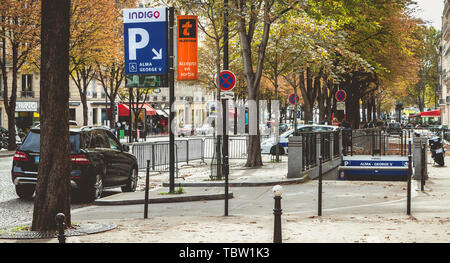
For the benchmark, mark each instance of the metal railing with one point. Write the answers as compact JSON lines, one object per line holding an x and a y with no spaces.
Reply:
{"x":324,"y":144}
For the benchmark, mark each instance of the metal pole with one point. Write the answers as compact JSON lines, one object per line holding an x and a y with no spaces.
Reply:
{"x":277,"y":211}
{"x":171,"y":11}
{"x":408,"y":198}
{"x":130,"y":120}
{"x":422,"y":170}
{"x":60,"y":217}
{"x":320,"y":188}
{"x":225,"y":106}
{"x":147,"y":181}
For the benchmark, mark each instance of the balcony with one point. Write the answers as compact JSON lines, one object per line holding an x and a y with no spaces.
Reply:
{"x":27,"y":94}
{"x":446,"y":31}
{"x":446,"y":9}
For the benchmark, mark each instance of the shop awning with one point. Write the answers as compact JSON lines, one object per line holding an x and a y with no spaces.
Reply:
{"x":124,"y":109}
{"x":433,"y":113}
{"x":162,"y":113}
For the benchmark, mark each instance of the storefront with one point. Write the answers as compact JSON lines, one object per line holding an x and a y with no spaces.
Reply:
{"x":27,"y":113}
{"x":145,"y":116}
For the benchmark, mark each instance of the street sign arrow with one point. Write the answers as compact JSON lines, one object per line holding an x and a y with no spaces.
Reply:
{"x":158,"y":55}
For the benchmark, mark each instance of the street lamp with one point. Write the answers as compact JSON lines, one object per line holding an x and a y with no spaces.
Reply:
{"x":277,"y":211}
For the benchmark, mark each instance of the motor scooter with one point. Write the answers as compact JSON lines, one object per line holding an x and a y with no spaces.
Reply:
{"x":437,"y":150}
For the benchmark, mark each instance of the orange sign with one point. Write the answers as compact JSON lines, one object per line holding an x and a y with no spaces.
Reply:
{"x":187,"y":48}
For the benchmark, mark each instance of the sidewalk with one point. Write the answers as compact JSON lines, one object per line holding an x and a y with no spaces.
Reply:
{"x":382,"y":222}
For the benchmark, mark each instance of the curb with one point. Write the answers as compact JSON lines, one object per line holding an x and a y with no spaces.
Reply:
{"x":6,"y":155}
{"x":191,"y":198}
{"x":239,"y":184}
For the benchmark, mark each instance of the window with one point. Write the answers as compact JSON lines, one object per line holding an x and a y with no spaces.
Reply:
{"x":94,"y":116}
{"x":97,"y":140}
{"x":27,"y":86}
{"x":113,"y":144}
{"x":27,"y":80}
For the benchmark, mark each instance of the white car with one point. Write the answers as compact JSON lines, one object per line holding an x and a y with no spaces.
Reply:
{"x":205,"y":129}
{"x":267,"y":145}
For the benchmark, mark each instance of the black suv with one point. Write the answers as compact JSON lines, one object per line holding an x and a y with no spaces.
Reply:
{"x":99,"y":161}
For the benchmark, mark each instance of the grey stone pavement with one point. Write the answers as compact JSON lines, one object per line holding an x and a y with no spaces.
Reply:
{"x":353,"y":211}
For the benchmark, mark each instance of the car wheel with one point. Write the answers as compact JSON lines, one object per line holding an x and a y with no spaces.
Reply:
{"x":25,"y":191}
{"x":132,"y":181}
{"x":94,"y":190}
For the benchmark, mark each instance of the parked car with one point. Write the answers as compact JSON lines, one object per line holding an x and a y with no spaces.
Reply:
{"x":186,"y":130}
{"x":205,"y":129}
{"x":268,"y":146}
{"x":99,"y":161}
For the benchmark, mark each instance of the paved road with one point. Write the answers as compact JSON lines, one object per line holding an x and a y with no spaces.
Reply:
{"x":339,"y":197}
{"x":13,"y":211}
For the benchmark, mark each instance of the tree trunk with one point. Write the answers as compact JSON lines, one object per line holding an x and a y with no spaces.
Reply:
{"x":85,"y":109}
{"x":53,"y":185}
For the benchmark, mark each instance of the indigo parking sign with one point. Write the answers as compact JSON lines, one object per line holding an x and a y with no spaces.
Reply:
{"x":145,"y":36}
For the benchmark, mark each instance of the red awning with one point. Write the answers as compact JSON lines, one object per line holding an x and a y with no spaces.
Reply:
{"x":124,"y":110}
{"x":433,"y":113}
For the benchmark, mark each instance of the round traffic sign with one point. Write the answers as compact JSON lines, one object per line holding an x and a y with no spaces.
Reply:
{"x":341,"y":95}
{"x":292,"y":99}
{"x":227,"y":80}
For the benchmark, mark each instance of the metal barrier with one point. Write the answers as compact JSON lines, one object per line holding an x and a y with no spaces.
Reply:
{"x":155,"y":152}
{"x":376,"y":141}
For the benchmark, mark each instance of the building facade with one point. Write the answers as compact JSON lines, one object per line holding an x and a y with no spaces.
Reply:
{"x":193,"y":103}
{"x":444,"y":89}
{"x":27,"y":102}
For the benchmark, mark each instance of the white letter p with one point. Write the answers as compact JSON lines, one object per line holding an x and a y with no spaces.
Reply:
{"x":133,"y":45}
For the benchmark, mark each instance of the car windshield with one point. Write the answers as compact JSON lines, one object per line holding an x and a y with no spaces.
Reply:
{"x":33,"y":141}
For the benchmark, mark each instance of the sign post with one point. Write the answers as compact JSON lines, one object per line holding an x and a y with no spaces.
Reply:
{"x":149,"y":59}
{"x":341,"y":95}
{"x":227,"y":81}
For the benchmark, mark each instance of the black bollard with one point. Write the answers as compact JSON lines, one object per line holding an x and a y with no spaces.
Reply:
{"x":277,"y":211}
{"x":147,"y":179}
{"x":408,"y":198}
{"x":422,"y":170}
{"x":320,"y":188}
{"x":60,"y":217}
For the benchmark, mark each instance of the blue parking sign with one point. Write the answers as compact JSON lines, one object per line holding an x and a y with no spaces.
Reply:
{"x":145,"y":41}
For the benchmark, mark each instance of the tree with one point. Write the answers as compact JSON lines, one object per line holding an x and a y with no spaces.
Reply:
{"x":93,"y":36}
{"x":422,"y":93}
{"x":252,"y":16}
{"x":53,"y":185}
{"x":19,"y":30}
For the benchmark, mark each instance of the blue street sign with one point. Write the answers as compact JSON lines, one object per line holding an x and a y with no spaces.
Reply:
{"x":145,"y":41}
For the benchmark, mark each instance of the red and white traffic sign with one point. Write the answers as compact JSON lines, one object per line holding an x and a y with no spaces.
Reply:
{"x":227,"y":80}
{"x":341,"y":95}
{"x":293,"y":99}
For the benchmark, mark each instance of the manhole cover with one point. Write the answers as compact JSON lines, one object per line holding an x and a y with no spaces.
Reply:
{"x":76,"y":230}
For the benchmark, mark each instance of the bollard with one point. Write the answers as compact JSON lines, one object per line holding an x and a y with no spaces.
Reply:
{"x":277,"y":211}
{"x":408,"y":198}
{"x":320,"y":188}
{"x":147,"y":181}
{"x":422,"y":170}
{"x":60,"y":217}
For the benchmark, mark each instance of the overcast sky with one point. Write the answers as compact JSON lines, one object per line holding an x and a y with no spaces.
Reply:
{"x":431,"y":11}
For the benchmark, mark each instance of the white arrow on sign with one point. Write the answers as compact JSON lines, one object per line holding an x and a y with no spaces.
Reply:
{"x":158,"y":55}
